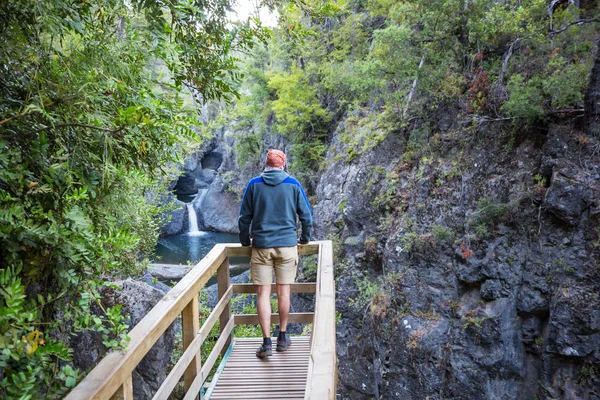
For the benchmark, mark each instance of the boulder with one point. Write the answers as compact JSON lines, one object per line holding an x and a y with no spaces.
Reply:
{"x":206,"y":176}
{"x":138,"y":298}
{"x":169,"y":272}
{"x":176,"y":220}
{"x":219,"y":208}
{"x":567,"y":198}
{"x":154,"y":282}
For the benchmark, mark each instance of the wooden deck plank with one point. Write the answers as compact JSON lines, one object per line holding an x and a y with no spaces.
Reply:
{"x":280,"y":376}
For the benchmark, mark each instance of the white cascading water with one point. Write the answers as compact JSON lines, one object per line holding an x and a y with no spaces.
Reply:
{"x":193,"y":228}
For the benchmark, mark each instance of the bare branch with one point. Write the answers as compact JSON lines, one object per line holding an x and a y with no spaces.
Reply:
{"x":113,"y":131}
{"x":553,"y":33}
{"x":507,"y":56}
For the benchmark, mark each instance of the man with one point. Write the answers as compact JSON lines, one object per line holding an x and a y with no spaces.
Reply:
{"x":269,"y":206}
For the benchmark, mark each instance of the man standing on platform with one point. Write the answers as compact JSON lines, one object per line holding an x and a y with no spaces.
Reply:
{"x":270,"y":205}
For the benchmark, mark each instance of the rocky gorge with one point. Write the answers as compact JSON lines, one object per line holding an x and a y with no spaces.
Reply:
{"x":467,"y":247}
{"x":468,"y":270}
{"x":481,"y":263}
{"x":202,"y":182}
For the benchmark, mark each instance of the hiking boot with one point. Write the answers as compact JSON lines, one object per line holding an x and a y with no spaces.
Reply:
{"x":265,"y":350}
{"x":283,"y":344}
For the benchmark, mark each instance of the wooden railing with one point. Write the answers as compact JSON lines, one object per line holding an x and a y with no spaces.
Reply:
{"x":112,"y":377}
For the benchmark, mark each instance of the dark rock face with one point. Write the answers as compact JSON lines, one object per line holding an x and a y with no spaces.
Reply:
{"x":468,"y":272}
{"x":212,"y":160}
{"x":200,"y":169}
{"x":177,"y":219}
{"x":186,"y":185}
{"x":567,"y":199}
{"x":219,"y":209}
{"x":216,"y":206}
{"x":138,"y":298}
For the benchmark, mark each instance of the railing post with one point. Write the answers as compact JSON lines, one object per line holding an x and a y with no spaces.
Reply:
{"x":125,"y":391}
{"x":223,"y":283}
{"x":191,"y":326}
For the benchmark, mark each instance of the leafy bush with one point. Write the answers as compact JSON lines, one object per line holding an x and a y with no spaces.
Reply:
{"x":441,"y":233}
{"x":298,"y":112}
{"x":95,"y":112}
{"x":526,"y":98}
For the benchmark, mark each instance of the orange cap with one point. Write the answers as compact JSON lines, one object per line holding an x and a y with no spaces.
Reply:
{"x":275,"y":158}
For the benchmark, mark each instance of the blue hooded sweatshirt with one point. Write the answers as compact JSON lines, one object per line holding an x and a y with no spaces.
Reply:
{"x":269,"y":206}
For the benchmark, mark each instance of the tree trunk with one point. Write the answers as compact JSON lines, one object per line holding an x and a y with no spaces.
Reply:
{"x":592,"y":98}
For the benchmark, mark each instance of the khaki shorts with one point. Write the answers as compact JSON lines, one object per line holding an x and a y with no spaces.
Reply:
{"x":283,"y":259}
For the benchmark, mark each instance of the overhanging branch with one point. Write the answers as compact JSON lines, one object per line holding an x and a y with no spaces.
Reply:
{"x":553,"y":33}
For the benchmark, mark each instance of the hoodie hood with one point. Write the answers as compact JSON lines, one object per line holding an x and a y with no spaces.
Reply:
{"x":274,"y":178}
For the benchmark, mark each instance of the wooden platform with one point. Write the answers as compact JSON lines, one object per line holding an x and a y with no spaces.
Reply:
{"x":245,"y":376}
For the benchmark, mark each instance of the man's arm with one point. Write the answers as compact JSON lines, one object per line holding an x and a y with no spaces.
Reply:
{"x":245,"y":217}
{"x":305,"y":215}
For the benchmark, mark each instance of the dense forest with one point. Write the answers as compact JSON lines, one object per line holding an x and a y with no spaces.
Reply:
{"x":100,"y":102}
{"x":383,"y":64}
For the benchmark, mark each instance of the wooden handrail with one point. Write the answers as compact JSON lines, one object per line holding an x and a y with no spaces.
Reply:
{"x":237,"y":250}
{"x":305,"y":287}
{"x":252,"y":319}
{"x":112,"y":377}
{"x":322,"y":365}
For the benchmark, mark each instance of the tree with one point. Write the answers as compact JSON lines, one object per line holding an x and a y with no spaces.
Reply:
{"x":95,"y":105}
{"x":592,"y":97}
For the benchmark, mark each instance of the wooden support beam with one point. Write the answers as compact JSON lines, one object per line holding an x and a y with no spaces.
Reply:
{"x":190,"y":327}
{"x":223,"y":286}
{"x":125,"y":391}
{"x":247,"y":319}
{"x":307,"y":287}
{"x":322,"y":366}
{"x":237,"y":250}
{"x":210,"y":362}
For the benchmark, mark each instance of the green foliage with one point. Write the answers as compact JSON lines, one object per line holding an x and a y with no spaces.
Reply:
{"x":441,"y":233}
{"x":526,"y":98}
{"x":297,"y":110}
{"x":94,"y":110}
{"x":363,"y":134}
{"x":588,"y":374}
{"x":489,"y":210}
{"x":473,"y":322}
{"x":29,"y":358}
{"x":308,"y":268}
{"x":367,"y":288}
{"x":565,"y":82}
{"x":409,"y":241}
{"x":369,"y":62}
{"x":482,"y":231}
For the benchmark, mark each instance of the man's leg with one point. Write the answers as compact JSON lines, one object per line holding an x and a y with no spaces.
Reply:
{"x":283,"y":305}
{"x":262,"y":276}
{"x":264,"y":309}
{"x":285,"y":273}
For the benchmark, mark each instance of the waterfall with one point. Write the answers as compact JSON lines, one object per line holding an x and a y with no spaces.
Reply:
{"x":193,"y":227}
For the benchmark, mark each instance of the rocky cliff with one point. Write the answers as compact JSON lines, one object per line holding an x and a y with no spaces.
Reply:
{"x":467,"y":262}
{"x":202,"y":182}
{"x":467,"y":257}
